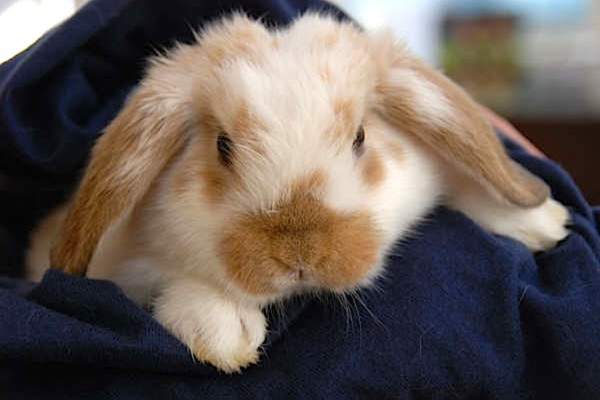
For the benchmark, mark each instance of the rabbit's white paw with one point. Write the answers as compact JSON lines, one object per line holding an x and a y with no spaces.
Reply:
{"x":233,"y":341}
{"x":215,"y":329}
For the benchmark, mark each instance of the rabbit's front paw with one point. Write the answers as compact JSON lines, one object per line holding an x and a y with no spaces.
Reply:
{"x":216,"y":329}
{"x":232,"y":339}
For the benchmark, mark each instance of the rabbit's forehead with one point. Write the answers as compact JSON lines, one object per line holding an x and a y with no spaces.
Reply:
{"x":286,"y":122}
{"x":314,"y":78}
{"x":317,"y":94}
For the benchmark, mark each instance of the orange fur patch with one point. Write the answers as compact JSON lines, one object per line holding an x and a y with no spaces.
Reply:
{"x":373,"y":171}
{"x":246,"y":122}
{"x":336,"y":249}
{"x":201,"y":165}
{"x":124,"y":163}
{"x":345,"y":114}
{"x":236,"y":37}
{"x":344,"y":109}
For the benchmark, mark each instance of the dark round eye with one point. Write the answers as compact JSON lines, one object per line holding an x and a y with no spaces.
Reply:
{"x":359,"y":140}
{"x":225,"y":148}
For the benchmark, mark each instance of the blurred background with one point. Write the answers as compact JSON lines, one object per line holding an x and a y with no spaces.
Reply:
{"x":535,"y":62}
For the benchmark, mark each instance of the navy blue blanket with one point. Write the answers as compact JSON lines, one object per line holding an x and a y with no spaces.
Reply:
{"x":462,"y":314}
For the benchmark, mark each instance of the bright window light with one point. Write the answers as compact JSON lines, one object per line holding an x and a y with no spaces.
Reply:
{"x":23,"y":22}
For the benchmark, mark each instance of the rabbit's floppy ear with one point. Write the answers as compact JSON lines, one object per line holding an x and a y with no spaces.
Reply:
{"x":147,"y":133}
{"x":126,"y":159}
{"x":425,"y":104}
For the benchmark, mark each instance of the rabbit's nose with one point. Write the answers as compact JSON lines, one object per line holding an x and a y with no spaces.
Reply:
{"x":300,"y":271}
{"x":297,"y":269}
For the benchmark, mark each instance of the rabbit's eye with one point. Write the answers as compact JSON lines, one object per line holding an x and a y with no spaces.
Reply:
{"x":357,"y":145}
{"x":225,"y":148}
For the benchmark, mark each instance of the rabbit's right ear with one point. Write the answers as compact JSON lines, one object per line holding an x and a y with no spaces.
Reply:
{"x":127,"y":158}
{"x":422,"y":102}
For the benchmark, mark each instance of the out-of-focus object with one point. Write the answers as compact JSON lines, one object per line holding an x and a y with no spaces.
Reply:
{"x":481,"y":53}
{"x":563,"y":63}
{"x":538,"y":63}
{"x":526,"y":59}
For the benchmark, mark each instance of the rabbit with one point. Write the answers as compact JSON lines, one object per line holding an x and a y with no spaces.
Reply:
{"x":259,"y":163}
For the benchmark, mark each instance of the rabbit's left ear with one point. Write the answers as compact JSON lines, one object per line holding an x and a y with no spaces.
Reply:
{"x":135,"y":148}
{"x":423,"y":103}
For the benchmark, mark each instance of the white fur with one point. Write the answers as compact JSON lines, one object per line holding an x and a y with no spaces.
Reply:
{"x":411,"y":188}
{"x":434,"y":107}
{"x":295,"y":125}
{"x":214,"y":326}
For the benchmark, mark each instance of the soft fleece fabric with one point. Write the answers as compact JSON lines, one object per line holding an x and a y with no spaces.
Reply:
{"x":461,"y":314}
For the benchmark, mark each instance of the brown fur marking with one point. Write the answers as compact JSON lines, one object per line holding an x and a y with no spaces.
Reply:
{"x":345,"y":112}
{"x":246,"y":123}
{"x":373,"y":171}
{"x":123,"y":165}
{"x":336,"y":249}
{"x":237,"y":37}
